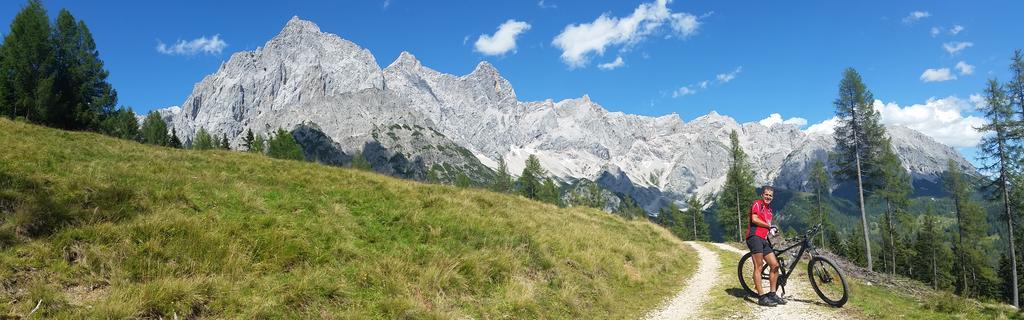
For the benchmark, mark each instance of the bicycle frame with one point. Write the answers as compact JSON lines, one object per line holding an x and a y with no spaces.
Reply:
{"x":785,"y":271}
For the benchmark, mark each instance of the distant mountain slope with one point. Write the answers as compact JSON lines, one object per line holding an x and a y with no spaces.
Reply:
{"x":303,"y":75}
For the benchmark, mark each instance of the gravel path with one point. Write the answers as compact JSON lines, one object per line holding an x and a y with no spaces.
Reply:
{"x":803,"y":302}
{"x":688,"y":302}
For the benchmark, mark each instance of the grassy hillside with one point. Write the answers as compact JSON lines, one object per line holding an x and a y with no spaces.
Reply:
{"x":96,"y":227}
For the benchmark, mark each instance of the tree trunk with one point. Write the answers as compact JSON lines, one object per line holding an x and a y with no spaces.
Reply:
{"x":892,"y":241}
{"x":739,"y":218}
{"x":821,"y":216}
{"x":935,"y":270}
{"x":1013,"y":254}
{"x":960,"y":244}
{"x":695,"y":213}
{"x":863,"y":215}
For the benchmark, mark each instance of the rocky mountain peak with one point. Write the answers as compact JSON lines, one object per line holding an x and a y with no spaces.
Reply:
{"x":297,"y":25}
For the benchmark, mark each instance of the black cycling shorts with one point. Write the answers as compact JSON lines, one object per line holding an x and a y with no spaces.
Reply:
{"x":759,"y":245}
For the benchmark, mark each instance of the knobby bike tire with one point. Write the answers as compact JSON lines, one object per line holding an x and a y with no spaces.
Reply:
{"x":828,"y":265}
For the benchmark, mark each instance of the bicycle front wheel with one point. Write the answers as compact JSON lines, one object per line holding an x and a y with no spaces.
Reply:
{"x":828,"y":281}
{"x":745,"y":270}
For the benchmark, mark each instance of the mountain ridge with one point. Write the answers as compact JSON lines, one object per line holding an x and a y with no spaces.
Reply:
{"x":304,"y":75}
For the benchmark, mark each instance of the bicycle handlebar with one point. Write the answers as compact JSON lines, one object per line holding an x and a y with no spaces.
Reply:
{"x":810,"y":233}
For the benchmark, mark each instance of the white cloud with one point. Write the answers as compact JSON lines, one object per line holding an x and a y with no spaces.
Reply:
{"x":956,"y":29}
{"x":579,"y":41}
{"x":978,"y":101}
{"x":683,"y":91}
{"x":944,"y":120}
{"x":543,"y":5}
{"x":915,"y":16}
{"x":964,"y":68}
{"x":825,"y":127}
{"x":612,"y":65}
{"x":936,"y":31}
{"x":503,"y":41}
{"x":202,"y":44}
{"x":726,"y":77}
{"x":703,"y":84}
{"x":937,"y":75}
{"x":775,"y":118}
{"x":955,"y":47}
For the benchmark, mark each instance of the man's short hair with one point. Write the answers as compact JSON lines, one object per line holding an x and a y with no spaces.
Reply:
{"x":766,"y":188}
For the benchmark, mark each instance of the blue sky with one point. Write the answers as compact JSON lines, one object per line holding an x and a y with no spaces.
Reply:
{"x":782,"y":57}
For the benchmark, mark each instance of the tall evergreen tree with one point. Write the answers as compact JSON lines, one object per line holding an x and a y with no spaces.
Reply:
{"x":259,"y":144}
{"x":502,"y":179}
{"x":530,"y":180}
{"x":174,"y":141}
{"x":121,"y":124}
{"x":462,"y":181}
{"x":84,"y":95}
{"x":359,"y":162}
{"x":28,"y":72}
{"x":737,"y":193}
{"x":249,"y":139}
{"x":224,"y":144}
{"x":1015,"y":93}
{"x":695,"y":213}
{"x":202,"y":140}
{"x":895,"y":192}
{"x":858,"y":137}
{"x":822,"y":189}
{"x":548,"y":192}
{"x":1000,"y":156}
{"x":283,"y":146}
{"x":629,"y":209}
{"x":154,"y":130}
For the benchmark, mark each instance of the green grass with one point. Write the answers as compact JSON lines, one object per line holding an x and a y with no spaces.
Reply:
{"x":876,"y":302}
{"x":95,"y":227}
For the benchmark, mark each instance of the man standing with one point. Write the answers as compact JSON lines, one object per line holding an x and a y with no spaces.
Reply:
{"x":759,"y":227}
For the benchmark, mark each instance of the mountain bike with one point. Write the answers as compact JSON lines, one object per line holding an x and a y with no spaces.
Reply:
{"x":826,"y":279}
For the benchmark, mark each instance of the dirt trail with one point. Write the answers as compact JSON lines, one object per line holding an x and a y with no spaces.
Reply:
{"x":687,"y":303}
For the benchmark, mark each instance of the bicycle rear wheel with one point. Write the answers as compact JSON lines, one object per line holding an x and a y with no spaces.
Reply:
{"x":828,"y":281}
{"x":745,"y":271}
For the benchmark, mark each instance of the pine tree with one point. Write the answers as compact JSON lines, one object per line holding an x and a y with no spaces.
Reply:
{"x":462,"y":181}
{"x":249,"y":139}
{"x":121,"y":124}
{"x":174,"y":141}
{"x":671,"y":218}
{"x":548,"y":192}
{"x":224,"y":144}
{"x":738,"y":192}
{"x":629,"y":209}
{"x":820,"y":185}
{"x":28,"y":72}
{"x":154,"y":130}
{"x":84,"y":95}
{"x":259,"y":144}
{"x":202,"y":140}
{"x":895,"y":192}
{"x":1000,"y":156}
{"x":858,"y":137}
{"x":530,"y":180}
{"x":1015,"y":94}
{"x":695,"y":213}
{"x":359,"y":162}
{"x":283,"y":146}
{"x":502,"y":179}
